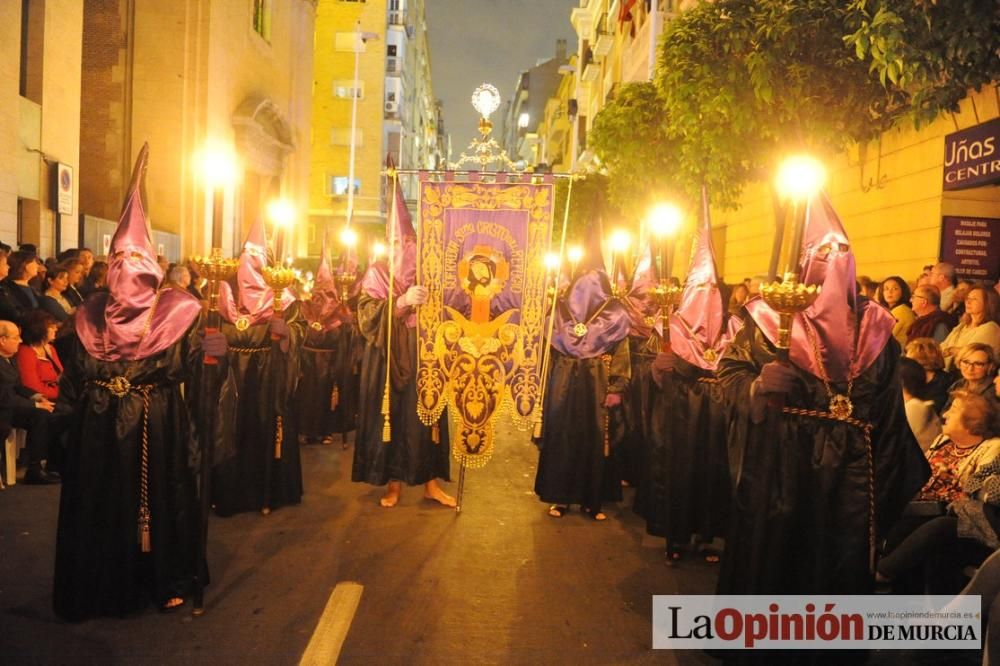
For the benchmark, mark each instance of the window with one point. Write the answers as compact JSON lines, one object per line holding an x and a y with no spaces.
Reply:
{"x":341,"y":136}
{"x":345,"y":89}
{"x":262,"y":18}
{"x":391,"y":50}
{"x":337,"y":186}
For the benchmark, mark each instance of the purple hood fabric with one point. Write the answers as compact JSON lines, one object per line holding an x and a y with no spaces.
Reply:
{"x":133,"y":320}
{"x":253,"y":300}
{"x":590,"y":302}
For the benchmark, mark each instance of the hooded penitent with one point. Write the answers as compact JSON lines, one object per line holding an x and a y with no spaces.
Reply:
{"x":589,"y":319}
{"x":134,"y":319}
{"x":638,"y":301}
{"x":827,"y":260}
{"x":321,"y":311}
{"x":253,"y":301}
{"x":402,"y":243}
{"x":699,"y":330}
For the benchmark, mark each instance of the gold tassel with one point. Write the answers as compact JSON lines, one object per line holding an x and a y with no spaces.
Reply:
{"x":537,"y":434}
{"x":145,"y":542}
{"x":436,"y":433}
{"x":334,"y":397}
{"x":279,"y":435}
{"x":386,"y":424}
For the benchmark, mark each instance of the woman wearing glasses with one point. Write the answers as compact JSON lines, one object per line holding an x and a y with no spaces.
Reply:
{"x":978,"y":324}
{"x":977,"y":364}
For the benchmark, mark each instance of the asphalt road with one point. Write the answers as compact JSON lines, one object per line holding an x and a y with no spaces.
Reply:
{"x":501,"y":582}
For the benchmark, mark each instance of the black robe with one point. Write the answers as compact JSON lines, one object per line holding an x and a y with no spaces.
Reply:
{"x":688,"y":465}
{"x":800,"y":508}
{"x":100,"y":569}
{"x":573,"y":467}
{"x":348,"y":375}
{"x":318,"y":378}
{"x":631,"y":454}
{"x":412,"y":456}
{"x":255,"y":477}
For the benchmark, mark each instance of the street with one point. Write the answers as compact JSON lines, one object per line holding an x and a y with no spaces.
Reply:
{"x":501,"y":582}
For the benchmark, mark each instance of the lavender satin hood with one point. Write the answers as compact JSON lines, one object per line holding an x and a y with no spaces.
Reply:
{"x":589,"y":302}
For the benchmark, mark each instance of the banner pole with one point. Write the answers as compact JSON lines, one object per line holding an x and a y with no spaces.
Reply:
{"x":547,"y":353}
{"x":390,"y":303}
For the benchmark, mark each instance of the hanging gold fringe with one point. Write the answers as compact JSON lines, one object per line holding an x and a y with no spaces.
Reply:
{"x":606,"y":360}
{"x":436,"y":432}
{"x":334,"y":397}
{"x":279,"y":436}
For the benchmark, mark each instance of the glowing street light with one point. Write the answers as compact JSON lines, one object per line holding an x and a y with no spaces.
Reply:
{"x":281,"y":213}
{"x":800,"y":177}
{"x":664,"y":219}
{"x":379,"y":249}
{"x":552,"y":262}
{"x":349,"y":237}
{"x":574,"y":254}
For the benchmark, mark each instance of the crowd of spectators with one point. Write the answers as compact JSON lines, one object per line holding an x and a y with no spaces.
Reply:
{"x":37,"y":302}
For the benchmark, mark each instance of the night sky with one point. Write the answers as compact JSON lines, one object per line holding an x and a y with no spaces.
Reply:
{"x":489,"y":41}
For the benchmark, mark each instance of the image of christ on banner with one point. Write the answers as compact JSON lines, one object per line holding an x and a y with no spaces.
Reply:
{"x":479,"y":336}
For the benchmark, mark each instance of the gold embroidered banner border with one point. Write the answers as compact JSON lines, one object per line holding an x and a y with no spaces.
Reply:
{"x":488,"y":368}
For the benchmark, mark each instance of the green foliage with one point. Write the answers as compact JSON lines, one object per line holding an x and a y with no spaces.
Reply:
{"x":588,"y":205}
{"x":743,"y":83}
{"x":630,"y":138}
{"x":931,"y":52}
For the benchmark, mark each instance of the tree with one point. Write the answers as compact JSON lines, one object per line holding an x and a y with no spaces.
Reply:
{"x":587,"y":207}
{"x":743,"y":82}
{"x":929,"y":51}
{"x":630,"y":138}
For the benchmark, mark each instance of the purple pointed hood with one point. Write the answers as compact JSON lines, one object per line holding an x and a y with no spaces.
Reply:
{"x":321,"y":311}
{"x":827,"y":260}
{"x":700,"y":330}
{"x":589,"y":302}
{"x":638,"y":301}
{"x":134,"y":320}
{"x":253,"y":300}
{"x":401,"y":240}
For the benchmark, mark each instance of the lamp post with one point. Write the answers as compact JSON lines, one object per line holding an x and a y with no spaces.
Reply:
{"x":346,"y":277}
{"x":574,"y":254}
{"x":619,"y":242}
{"x":281,"y":214}
{"x":360,"y":38}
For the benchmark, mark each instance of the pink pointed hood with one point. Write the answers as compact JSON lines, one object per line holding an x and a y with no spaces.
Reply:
{"x":700,"y":330}
{"x":827,"y":260}
{"x":638,"y":301}
{"x":321,"y":311}
{"x":134,"y":320}
{"x":253,"y":301}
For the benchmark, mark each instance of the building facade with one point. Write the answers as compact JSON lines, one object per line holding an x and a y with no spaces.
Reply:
{"x":40,"y":47}
{"x":524,"y":113}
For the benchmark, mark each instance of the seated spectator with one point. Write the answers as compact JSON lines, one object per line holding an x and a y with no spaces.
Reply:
{"x":925,"y":277}
{"x":53,"y":300}
{"x":977,"y":325}
{"x":20,"y":407}
{"x":37,"y":359}
{"x":179,"y":277}
{"x":97,"y":279}
{"x":74,"y":270}
{"x":927,"y":353}
{"x":198,"y":283}
{"x":895,"y":295}
{"x":942,"y":276}
{"x":920,"y":413}
{"x":965,"y":463}
{"x":931,"y":321}
{"x":9,"y":310}
{"x":867,"y":286}
{"x":977,"y":364}
{"x":962,"y":289}
{"x":22,"y":268}
{"x":37,"y":283}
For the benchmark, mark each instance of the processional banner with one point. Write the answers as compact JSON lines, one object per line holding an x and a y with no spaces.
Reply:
{"x":481,"y":255}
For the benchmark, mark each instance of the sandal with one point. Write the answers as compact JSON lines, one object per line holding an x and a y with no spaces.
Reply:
{"x":558,"y":510}
{"x":598,"y":516}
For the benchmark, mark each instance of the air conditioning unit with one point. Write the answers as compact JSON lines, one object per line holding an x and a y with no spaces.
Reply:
{"x":392,"y":107}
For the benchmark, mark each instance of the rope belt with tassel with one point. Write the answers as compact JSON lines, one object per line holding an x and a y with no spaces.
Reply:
{"x":866,"y":429}
{"x":606,"y":360}
{"x":249,"y":350}
{"x":120,"y":387}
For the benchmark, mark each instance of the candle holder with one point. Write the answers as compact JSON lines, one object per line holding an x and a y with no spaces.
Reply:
{"x":345,"y":280}
{"x":215,"y":268}
{"x":788,"y":297}
{"x":279,"y":278}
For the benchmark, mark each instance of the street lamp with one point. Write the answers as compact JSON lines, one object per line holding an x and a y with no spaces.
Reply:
{"x":798,"y":179}
{"x":664,"y":220}
{"x":281,"y":213}
{"x":574,"y":253}
{"x":218,"y":171}
{"x":360,"y":38}
{"x":619,"y":242}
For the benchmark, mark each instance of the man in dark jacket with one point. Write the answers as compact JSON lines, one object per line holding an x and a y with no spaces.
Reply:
{"x":21,"y":407}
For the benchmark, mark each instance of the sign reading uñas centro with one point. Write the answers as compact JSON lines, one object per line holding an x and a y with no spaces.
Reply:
{"x":972,"y":156}
{"x":972,"y":246}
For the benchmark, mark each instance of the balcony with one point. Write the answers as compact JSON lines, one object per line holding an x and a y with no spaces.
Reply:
{"x":605,"y":38}
{"x":591,"y":70}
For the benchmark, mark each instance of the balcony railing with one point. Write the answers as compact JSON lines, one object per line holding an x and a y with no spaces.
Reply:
{"x":605,"y":37}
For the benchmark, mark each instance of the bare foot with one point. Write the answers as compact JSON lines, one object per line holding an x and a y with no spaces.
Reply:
{"x":391,"y":497}
{"x":433,"y":491}
{"x":172,"y":604}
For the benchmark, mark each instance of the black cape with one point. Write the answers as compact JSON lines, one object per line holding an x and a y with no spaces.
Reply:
{"x":348,"y":376}
{"x":573,"y":467}
{"x":412,"y":456}
{"x":100,"y":569}
{"x":318,"y":382}
{"x":800,"y":508}
{"x":255,"y":476}
{"x":688,"y":466}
